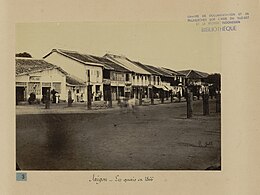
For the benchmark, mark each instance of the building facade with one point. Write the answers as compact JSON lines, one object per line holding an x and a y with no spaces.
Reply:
{"x":82,"y":66}
{"x":138,"y":80}
{"x":115,"y":79}
{"x":34,"y":76}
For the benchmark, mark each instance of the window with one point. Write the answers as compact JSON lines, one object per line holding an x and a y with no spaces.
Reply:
{"x":57,"y":86}
{"x":34,"y":87}
{"x":97,"y":73}
{"x":127,"y":77}
{"x":97,"y":88}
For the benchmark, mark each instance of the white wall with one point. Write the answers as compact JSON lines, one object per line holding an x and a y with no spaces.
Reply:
{"x":48,"y":76}
{"x":78,"y":69}
{"x":141,"y":81}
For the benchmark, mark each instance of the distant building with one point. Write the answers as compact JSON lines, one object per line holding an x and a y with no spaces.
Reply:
{"x":36,"y":76}
{"x":156,"y":80}
{"x":179,"y":78}
{"x":194,"y":80}
{"x":194,"y":77}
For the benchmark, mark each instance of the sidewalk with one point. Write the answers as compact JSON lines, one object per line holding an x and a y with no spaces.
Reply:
{"x":99,"y":106}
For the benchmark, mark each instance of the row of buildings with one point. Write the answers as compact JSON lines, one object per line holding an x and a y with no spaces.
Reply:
{"x":110,"y":76}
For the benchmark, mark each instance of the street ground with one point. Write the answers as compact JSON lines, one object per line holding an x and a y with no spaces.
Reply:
{"x":154,"y":137}
{"x":77,"y":107}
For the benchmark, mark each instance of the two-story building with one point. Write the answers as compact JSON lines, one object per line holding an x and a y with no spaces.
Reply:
{"x":155,"y":83}
{"x":160,"y":80}
{"x":138,"y":79}
{"x":179,"y":78}
{"x":82,"y":66}
{"x":116,"y":79}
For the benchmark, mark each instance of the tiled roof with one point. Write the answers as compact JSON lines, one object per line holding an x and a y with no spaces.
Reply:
{"x":160,"y":70}
{"x":123,"y":61}
{"x":83,"y":58}
{"x":194,"y":74}
{"x":174,"y":73}
{"x":29,"y":65}
{"x":71,"y":80}
{"x":110,"y":65}
{"x":146,"y":67}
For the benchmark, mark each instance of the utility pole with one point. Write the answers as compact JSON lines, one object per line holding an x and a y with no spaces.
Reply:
{"x":189,"y":103}
{"x":88,"y":90}
{"x":218,"y":102}
{"x":48,"y":99}
{"x":140,"y":95}
{"x":152,"y":96}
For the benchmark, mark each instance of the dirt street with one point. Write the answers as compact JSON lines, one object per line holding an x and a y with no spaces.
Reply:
{"x":157,"y":137}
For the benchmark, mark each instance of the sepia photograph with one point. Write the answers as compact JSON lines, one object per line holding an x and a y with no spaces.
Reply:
{"x":117,"y":96}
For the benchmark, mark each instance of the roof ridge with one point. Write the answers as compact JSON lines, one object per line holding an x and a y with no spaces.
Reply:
{"x":74,"y":58}
{"x":65,"y":50}
{"x":120,"y":64}
{"x":25,"y":58}
{"x":149,"y":67}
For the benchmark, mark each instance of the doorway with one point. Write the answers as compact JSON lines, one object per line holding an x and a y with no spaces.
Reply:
{"x":20,"y":94}
{"x":44,"y":93}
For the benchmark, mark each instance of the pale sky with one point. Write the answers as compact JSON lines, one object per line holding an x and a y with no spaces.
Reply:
{"x":178,"y":46}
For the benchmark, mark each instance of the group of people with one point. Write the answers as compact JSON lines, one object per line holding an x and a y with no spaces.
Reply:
{"x":199,"y":90}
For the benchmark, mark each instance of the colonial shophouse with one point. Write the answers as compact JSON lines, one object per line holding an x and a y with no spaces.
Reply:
{"x":160,"y":81}
{"x":116,"y":79}
{"x":82,"y":66}
{"x":36,"y":76}
{"x":138,"y":80}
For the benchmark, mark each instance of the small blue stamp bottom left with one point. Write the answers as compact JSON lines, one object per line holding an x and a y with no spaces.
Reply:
{"x":21,"y":176}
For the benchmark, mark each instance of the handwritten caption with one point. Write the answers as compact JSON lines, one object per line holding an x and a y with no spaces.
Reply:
{"x":97,"y":179}
{"x":227,"y":22}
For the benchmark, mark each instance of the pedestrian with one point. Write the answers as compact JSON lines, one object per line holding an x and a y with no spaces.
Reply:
{"x":53,"y":92}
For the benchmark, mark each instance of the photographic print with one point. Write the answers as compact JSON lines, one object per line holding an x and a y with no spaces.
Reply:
{"x":117,"y":96}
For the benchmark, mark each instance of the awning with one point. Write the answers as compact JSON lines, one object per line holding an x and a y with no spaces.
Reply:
{"x":159,"y":87}
{"x":167,"y":88}
{"x":163,"y":87}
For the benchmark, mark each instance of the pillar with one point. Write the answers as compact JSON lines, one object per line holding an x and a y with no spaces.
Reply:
{"x":206,"y":104}
{"x":152,"y":96}
{"x":189,"y":104}
{"x":69,"y":99}
{"x":89,"y":98}
{"x":48,"y":99}
{"x":140,"y":91}
{"x":218,"y":102}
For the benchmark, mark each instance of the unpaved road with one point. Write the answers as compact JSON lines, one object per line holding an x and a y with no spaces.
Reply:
{"x":155,"y":137}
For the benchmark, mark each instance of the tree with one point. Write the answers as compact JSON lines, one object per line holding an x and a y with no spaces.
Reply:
{"x":214,"y":79}
{"x":24,"y":55}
